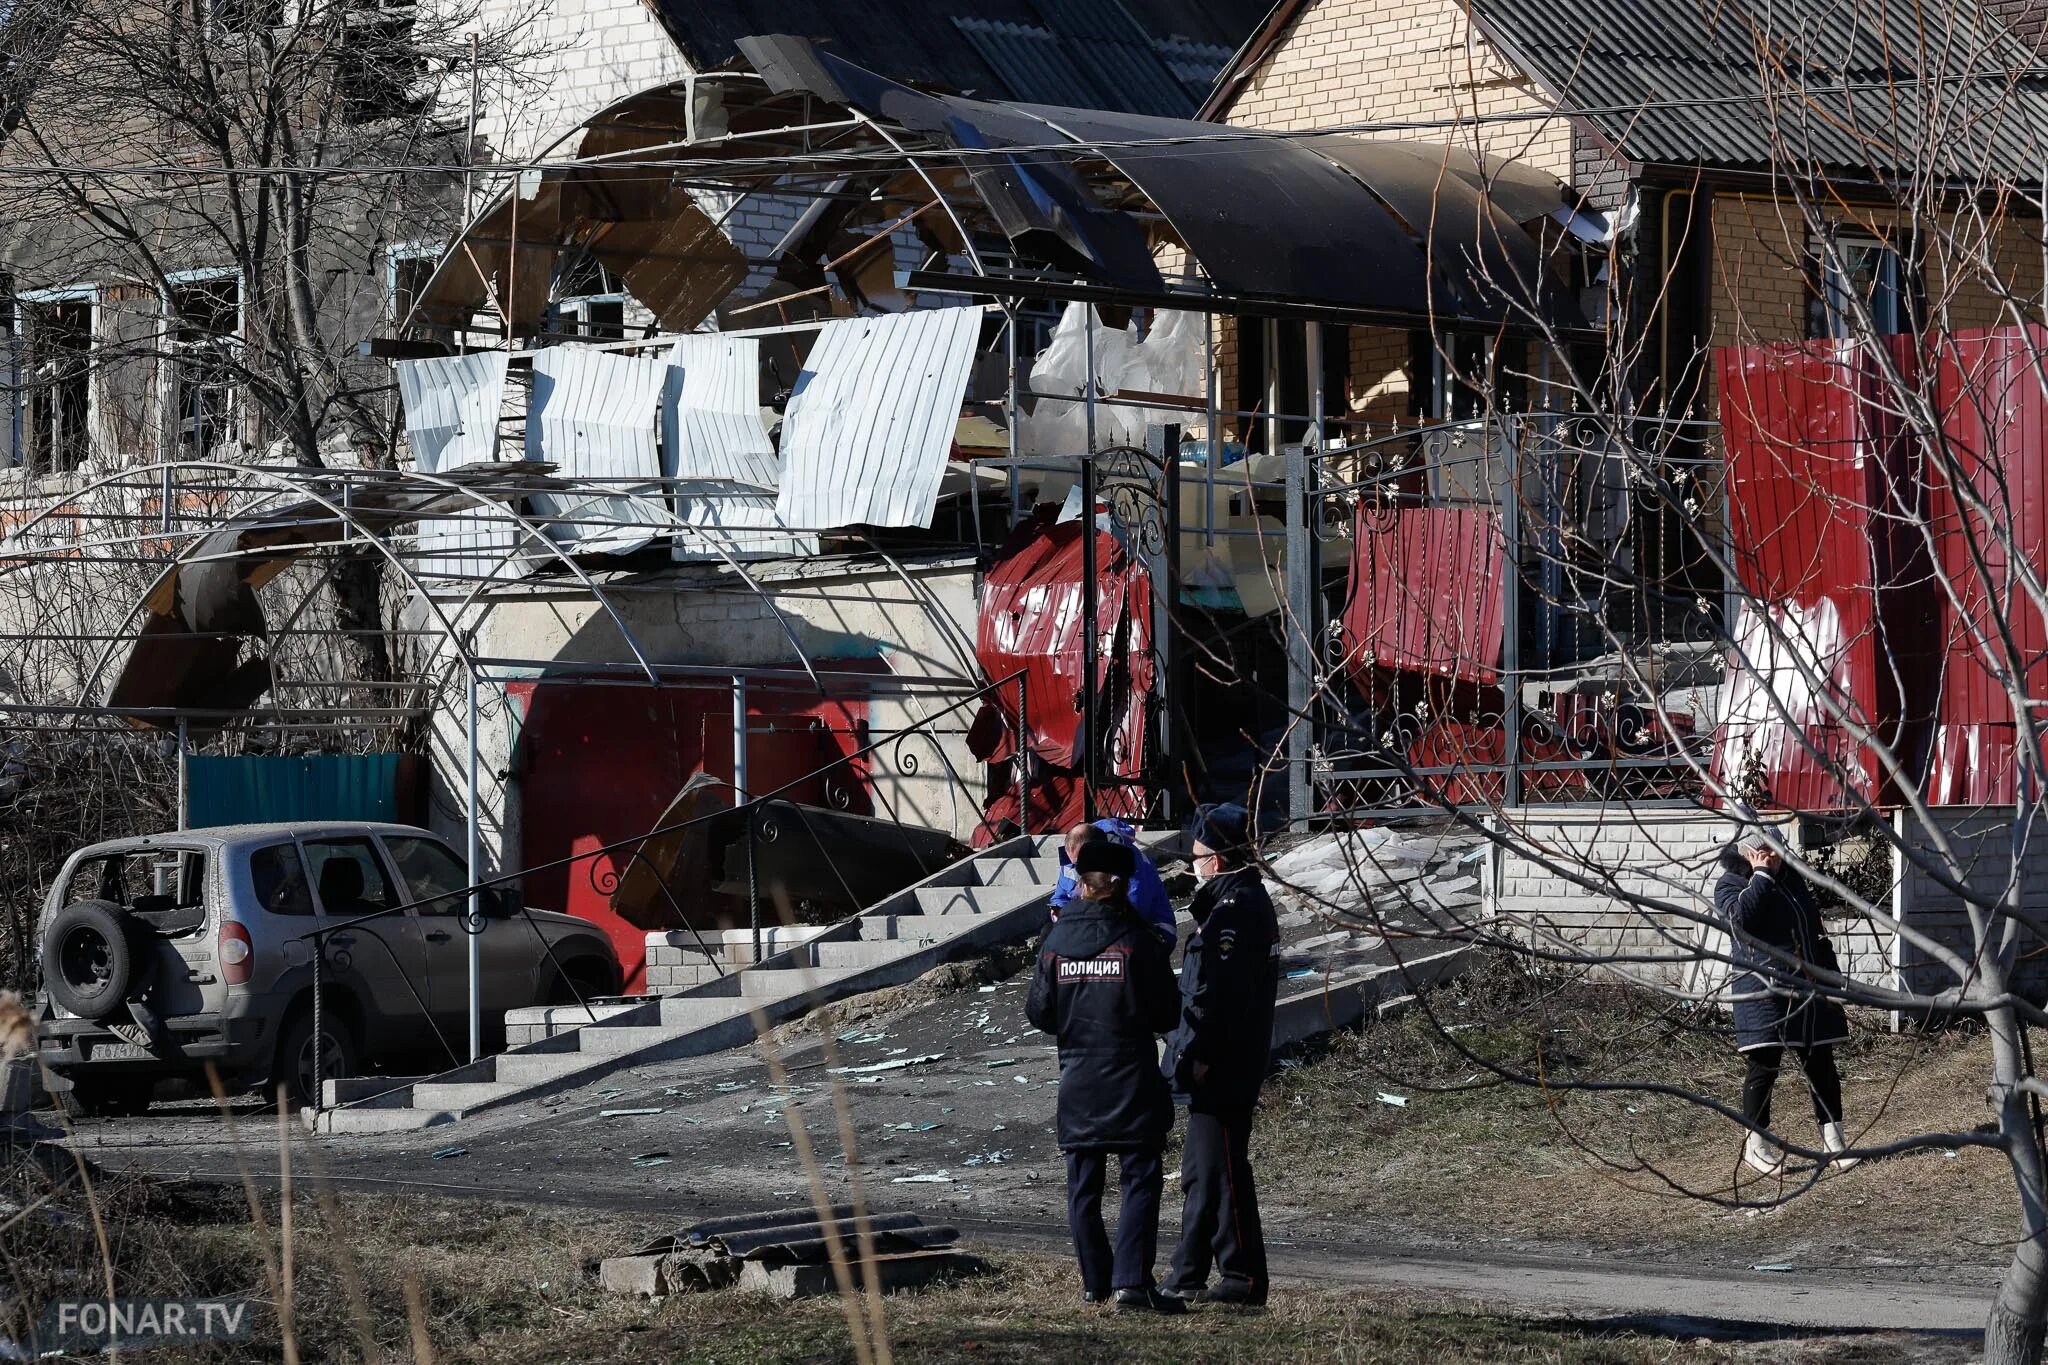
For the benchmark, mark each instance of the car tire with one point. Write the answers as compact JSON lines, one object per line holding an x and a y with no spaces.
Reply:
{"x":293,"y":1068}
{"x":90,"y":958}
{"x":107,"y":1098}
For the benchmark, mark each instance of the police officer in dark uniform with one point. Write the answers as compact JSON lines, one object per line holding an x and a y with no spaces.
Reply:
{"x":1217,"y":1059}
{"x":1104,"y":988}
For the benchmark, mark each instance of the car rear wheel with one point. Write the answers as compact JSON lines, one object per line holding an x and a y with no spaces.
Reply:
{"x":90,"y":963}
{"x":105,"y":1097}
{"x":339,"y":1055}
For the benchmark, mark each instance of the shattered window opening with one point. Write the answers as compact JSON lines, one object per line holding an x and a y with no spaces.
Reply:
{"x":206,"y":326}
{"x":56,"y":382}
{"x":590,"y":302}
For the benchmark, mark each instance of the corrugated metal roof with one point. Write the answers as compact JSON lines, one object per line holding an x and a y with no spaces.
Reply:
{"x":1097,"y":54}
{"x":1831,"y":84}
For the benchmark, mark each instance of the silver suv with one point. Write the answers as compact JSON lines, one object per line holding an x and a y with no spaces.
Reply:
{"x":164,"y":955}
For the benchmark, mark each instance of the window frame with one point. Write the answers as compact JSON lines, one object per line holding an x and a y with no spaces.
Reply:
{"x":458,"y":900}
{"x":24,"y":301}
{"x":176,"y":418}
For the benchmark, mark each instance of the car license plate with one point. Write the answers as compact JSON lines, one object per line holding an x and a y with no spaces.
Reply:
{"x":121,"y":1052}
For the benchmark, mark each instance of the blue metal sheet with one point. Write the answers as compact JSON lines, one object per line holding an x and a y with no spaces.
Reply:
{"x":263,"y":788}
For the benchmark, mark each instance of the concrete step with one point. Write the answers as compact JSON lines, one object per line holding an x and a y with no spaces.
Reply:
{"x":381,"y":1092}
{"x":968,"y":900}
{"x":355,"y":1119}
{"x":861,"y":953}
{"x":695,"y":1011}
{"x":530,"y":1068}
{"x":456,"y":1095}
{"x":610,"y":1042}
{"x":776,"y":983}
{"x":1019,"y":872}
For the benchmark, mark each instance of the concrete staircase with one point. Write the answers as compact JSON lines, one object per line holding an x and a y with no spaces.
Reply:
{"x":994,"y":897}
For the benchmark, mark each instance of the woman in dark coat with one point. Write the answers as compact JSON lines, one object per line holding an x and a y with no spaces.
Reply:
{"x":1775,"y":940}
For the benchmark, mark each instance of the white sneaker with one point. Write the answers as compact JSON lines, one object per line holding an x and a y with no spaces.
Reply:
{"x":1763,"y":1155}
{"x":1831,"y":1138}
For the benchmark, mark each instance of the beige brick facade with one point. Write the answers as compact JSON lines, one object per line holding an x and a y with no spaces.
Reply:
{"x":1411,"y":62}
{"x":1418,"y":64}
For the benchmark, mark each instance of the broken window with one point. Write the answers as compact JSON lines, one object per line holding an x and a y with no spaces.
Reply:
{"x":55,"y":400}
{"x":589,"y":303}
{"x":231,"y":18}
{"x":379,"y":70}
{"x":408,"y":267}
{"x":1855,"y":268}
{"x":205,"y":334}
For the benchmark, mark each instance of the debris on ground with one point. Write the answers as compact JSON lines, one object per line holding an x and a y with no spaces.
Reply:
{"x":775,"y":1253}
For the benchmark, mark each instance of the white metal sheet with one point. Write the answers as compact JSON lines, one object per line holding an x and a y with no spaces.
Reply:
{"x":714,"y":441}
{"x":593,"y":416}
{"x":711,"y":412}
{"x":871,"y":421}
{"x":452,"y":406}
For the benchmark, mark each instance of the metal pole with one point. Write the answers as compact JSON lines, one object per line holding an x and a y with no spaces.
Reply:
{"x":741,"y":793}
{"x":1510,"y":609}
{"x":319,"y":1014}
{"x":1090,"y":644}
{"x":1302,"y":590}
{"x":475,"y":924}
{"x":1023,"y":764}
{"x":184,"y":785}
{"x":1215,"y":441}
{"x":1016,"y":417}
{"x":1165,"y":443}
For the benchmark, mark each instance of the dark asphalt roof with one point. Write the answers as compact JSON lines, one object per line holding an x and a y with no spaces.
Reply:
{"x":1133,"y":56}
{"x":1684,"y":83}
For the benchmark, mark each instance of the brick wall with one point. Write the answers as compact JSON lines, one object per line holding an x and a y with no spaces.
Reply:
{"x":582,"y":55}
{"x":1665,"y":853}
{"x":1669,"y":854}
{"x":1398,"y":61}
{"x":1983,"y":847}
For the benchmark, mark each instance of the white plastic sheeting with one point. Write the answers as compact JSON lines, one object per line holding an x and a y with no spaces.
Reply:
{"x":870,"y":424}
{"x":714,"y":442}
{"x":452,"y":405}
{"x":1167,"y":360}
{"x":593,"y":416}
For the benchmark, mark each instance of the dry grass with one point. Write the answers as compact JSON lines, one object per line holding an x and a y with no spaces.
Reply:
{"x":504,"y":1284}
{"x":1471,"y":1156}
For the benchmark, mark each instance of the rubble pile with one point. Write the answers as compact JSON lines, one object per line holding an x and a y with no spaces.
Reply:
{"x":1385,"y":875}
{"x":776,"y":1253}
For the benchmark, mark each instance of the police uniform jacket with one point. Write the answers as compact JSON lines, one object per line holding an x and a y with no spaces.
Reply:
{"x":1104,"y":988}
{"x":1229,"y":978}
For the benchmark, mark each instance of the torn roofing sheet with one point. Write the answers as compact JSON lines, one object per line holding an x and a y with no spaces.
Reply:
{"x":1039,"y":199}
{"x":712,"y":433}
{"x":451,"y":407}
{"x":1323,"y":219}
{"x":711,"y":412}
{"x":187,"y":652}
{"x":593,"y":416}
{"x":870,"y":423}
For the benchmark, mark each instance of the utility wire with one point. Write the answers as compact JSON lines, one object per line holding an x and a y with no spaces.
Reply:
{"x":826,"y":162}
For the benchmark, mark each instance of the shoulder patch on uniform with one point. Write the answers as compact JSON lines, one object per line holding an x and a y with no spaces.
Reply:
{"x":1226,"y":939}
{"x":1107,"y":968}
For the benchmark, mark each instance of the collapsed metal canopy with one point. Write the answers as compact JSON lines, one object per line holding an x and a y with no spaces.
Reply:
{"x":1313,"y":219}
{"x":1353,"y":228}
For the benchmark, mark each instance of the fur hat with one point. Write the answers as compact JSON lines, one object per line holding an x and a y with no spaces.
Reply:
{"x":1106,"y":855}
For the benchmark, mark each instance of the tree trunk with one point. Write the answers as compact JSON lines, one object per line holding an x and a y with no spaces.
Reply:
{"x":358,"y":586}
{"x":2013,"y":1334}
